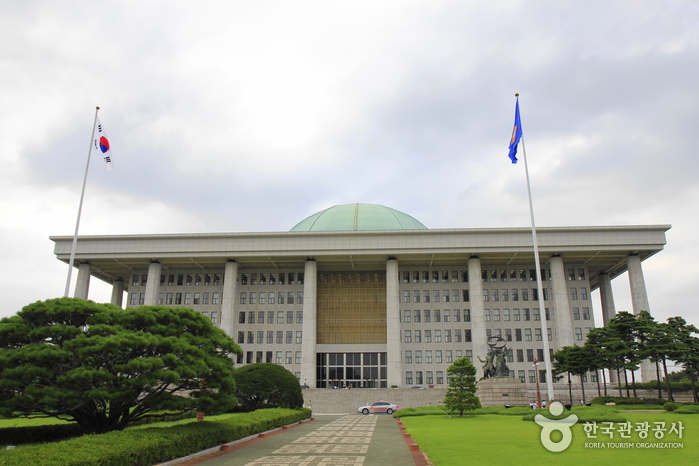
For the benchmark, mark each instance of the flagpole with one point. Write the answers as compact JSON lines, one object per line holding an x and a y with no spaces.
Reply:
{"x":80,"y":208}
{"x":540,"y":289}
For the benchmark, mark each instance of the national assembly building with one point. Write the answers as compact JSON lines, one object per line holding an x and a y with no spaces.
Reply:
{"x":363,"y":295}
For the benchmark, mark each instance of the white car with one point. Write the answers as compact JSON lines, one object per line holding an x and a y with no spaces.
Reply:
{"x":378,"y":407}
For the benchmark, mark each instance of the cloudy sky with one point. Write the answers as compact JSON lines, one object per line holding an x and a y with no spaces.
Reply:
{"x":229,"y":116}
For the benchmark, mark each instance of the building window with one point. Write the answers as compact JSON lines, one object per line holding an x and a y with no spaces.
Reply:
{"x":289,"y":336}
{"x":467,"y":335}
{"x":416,"y":296}
{"x":447,"y":336}
{"x":428,"y":336}
{"x":168,"y":299}
{"x":448,"y":357}
{"x":241,"y":317}
{"x":576,"y":313}
{"x":527,"y":334}
{"x":418,"y":357}
{"x":178,"y":298}
{"x":515,"y":314}
{"x":278,"y":357}
{"x":428,"y":357}
{"x":437,"y":336}
{"x":426,"y":296}
{"x":297,"y":357}
{"x":518,"y":334}
{"x":426,"y":315}
{"x":197,"y":298}
{"x":298,"y":336}
{"x":243,"y":298}
{"x":537,"y":334}
{"x":260,"y":337}
{"x":133,"y":299}
{"x":160,"y":299}
{"x":270,"y":337}
{"x":280,"y":317}
{"x":515,"y":294}
{"x":253,"y":297}
{"x":289,"y":317}
{"x":142,"y":299}
{"x":578,"y":333}
{"x":406,"y":296}
{"x":574,"y":294}
{"x":520,"y":355}
{"x":409,"y":377}
{"x":406,"y":317}
{"x":418,"y":336}
{"x":447,"y":315}
{"x":435,"y":296}
{"x":437,"y":316}
{"x":416,"y":315}
{"x":299,"y":317}
{"x":251,"y":338}
{"x":408,"y":357}
{"x":407,"y":336}
{"x":214,"y":298}
{"x":586,"y":313}
{"x":287,"y":357}
{"x":487,"y":315}
{"x":457,"y":335}
{"x":496,"y":315}
{"x":251,"y":317}
{"x":583,"y":293}
{"x":280,"y":337}
{"x":418,"y":377}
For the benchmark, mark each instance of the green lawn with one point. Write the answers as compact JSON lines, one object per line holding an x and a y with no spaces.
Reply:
{"x":505,"y":440}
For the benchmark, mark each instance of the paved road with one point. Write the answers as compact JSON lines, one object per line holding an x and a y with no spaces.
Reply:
{"x":337,"y":440}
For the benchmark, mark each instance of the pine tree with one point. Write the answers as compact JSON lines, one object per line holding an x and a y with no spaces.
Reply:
{"x":461,"y":394}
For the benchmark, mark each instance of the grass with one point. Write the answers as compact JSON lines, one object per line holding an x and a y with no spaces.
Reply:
{"x":478,"y":439}
{"x":23,"y":422}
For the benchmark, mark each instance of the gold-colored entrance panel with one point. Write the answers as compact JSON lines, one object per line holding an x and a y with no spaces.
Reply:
{"x":351,"y":307}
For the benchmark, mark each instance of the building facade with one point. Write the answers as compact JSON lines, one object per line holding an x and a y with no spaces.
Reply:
{"x":365,"y":295}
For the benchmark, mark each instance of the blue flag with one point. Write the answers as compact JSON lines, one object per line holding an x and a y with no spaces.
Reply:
{"x":516,"y":135}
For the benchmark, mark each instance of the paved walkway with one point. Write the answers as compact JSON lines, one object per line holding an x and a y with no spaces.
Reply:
{"x":337,"y":440}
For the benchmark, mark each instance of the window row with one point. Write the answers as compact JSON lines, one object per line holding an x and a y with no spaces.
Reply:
{"x":270,"y":337}
{"x":429,"y":379}
{"x":517,"y":314}
{"x":435,"y":276}
{"x":280,"y":317}
{"x":168,"y":299}
{"x":465,"y":335}
{"x":271,"y":297}
{"x":511,"y":275}
{"x":276,"y":357}
{"x":514,"y":294}
{"x":435,"y":296}
{"x":448,"y":358}
{"x":182,"y":279}
{"x":271,"y":278}
{"x":436,"y":315}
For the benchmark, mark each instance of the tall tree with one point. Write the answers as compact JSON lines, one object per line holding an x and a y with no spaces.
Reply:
{"x":624,"y":326}
{"x":105,"y":367}
{"x":684,"y":347}
{"x":461,"y":394}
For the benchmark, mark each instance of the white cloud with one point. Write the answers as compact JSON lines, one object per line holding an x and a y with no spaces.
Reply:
{"x":249,"y":116}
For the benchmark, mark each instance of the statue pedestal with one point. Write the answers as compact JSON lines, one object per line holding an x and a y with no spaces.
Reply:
{"x":500,"y":391}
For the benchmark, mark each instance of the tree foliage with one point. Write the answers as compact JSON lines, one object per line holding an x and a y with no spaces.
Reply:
{"x":105,"y":367}
{"x":266,"y":385}
{"x":461,"y":394}
{"x":629,"y":339}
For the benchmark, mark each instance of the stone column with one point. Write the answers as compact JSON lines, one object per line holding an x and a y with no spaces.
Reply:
{"x":393,"y":347}
{"x":82,"y":285}
{"x":639,"y":297}
{"x":310,"y":316}
{"x":153,"y":283}
{"x":607,"y":297}
{"x":561,"y":302}
{"x":118,"y":293}
{"x":230,"y":284}
{"x":639,"y":302}
{"x":479,"y":339}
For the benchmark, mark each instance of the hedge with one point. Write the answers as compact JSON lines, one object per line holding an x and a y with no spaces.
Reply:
{"x":151,"y":445}
{"x":55,"y":432}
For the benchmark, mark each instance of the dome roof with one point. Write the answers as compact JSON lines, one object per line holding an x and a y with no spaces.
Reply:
{"x":358,"y":217}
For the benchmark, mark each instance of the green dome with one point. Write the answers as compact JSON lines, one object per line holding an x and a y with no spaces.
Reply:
{"x":358,"y":217}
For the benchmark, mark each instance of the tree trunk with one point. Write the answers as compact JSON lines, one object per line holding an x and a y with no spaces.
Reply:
{"x":694,"y":388}
{"x":618,"y":378}
{"x":570,"y":390}
{"x":582,"y":387}
{"x":633,"y":383}
{"x":604,"y":378}
{"x":657,"y":374}
{"x":599,"y":390}
{"x":626,"y":383}
{"x":667,"y":382}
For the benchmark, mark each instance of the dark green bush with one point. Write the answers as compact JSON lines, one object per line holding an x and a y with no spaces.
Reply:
{"x":151,"y":445}
{"x":265,"y":385}
{"x":670,"y":406}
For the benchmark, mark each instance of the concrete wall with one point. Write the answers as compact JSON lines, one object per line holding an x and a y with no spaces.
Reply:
{"x":343,"y":401}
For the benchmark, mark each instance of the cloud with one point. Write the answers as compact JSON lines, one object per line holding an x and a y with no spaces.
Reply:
{"x":250,"y":116}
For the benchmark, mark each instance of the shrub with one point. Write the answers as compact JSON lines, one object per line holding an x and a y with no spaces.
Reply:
{"x":151,"y":445}
{"x":266,"y":385}
{"x":670,"y":406}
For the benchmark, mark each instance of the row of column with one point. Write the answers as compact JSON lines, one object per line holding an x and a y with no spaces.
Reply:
{"x":563,"y":321}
